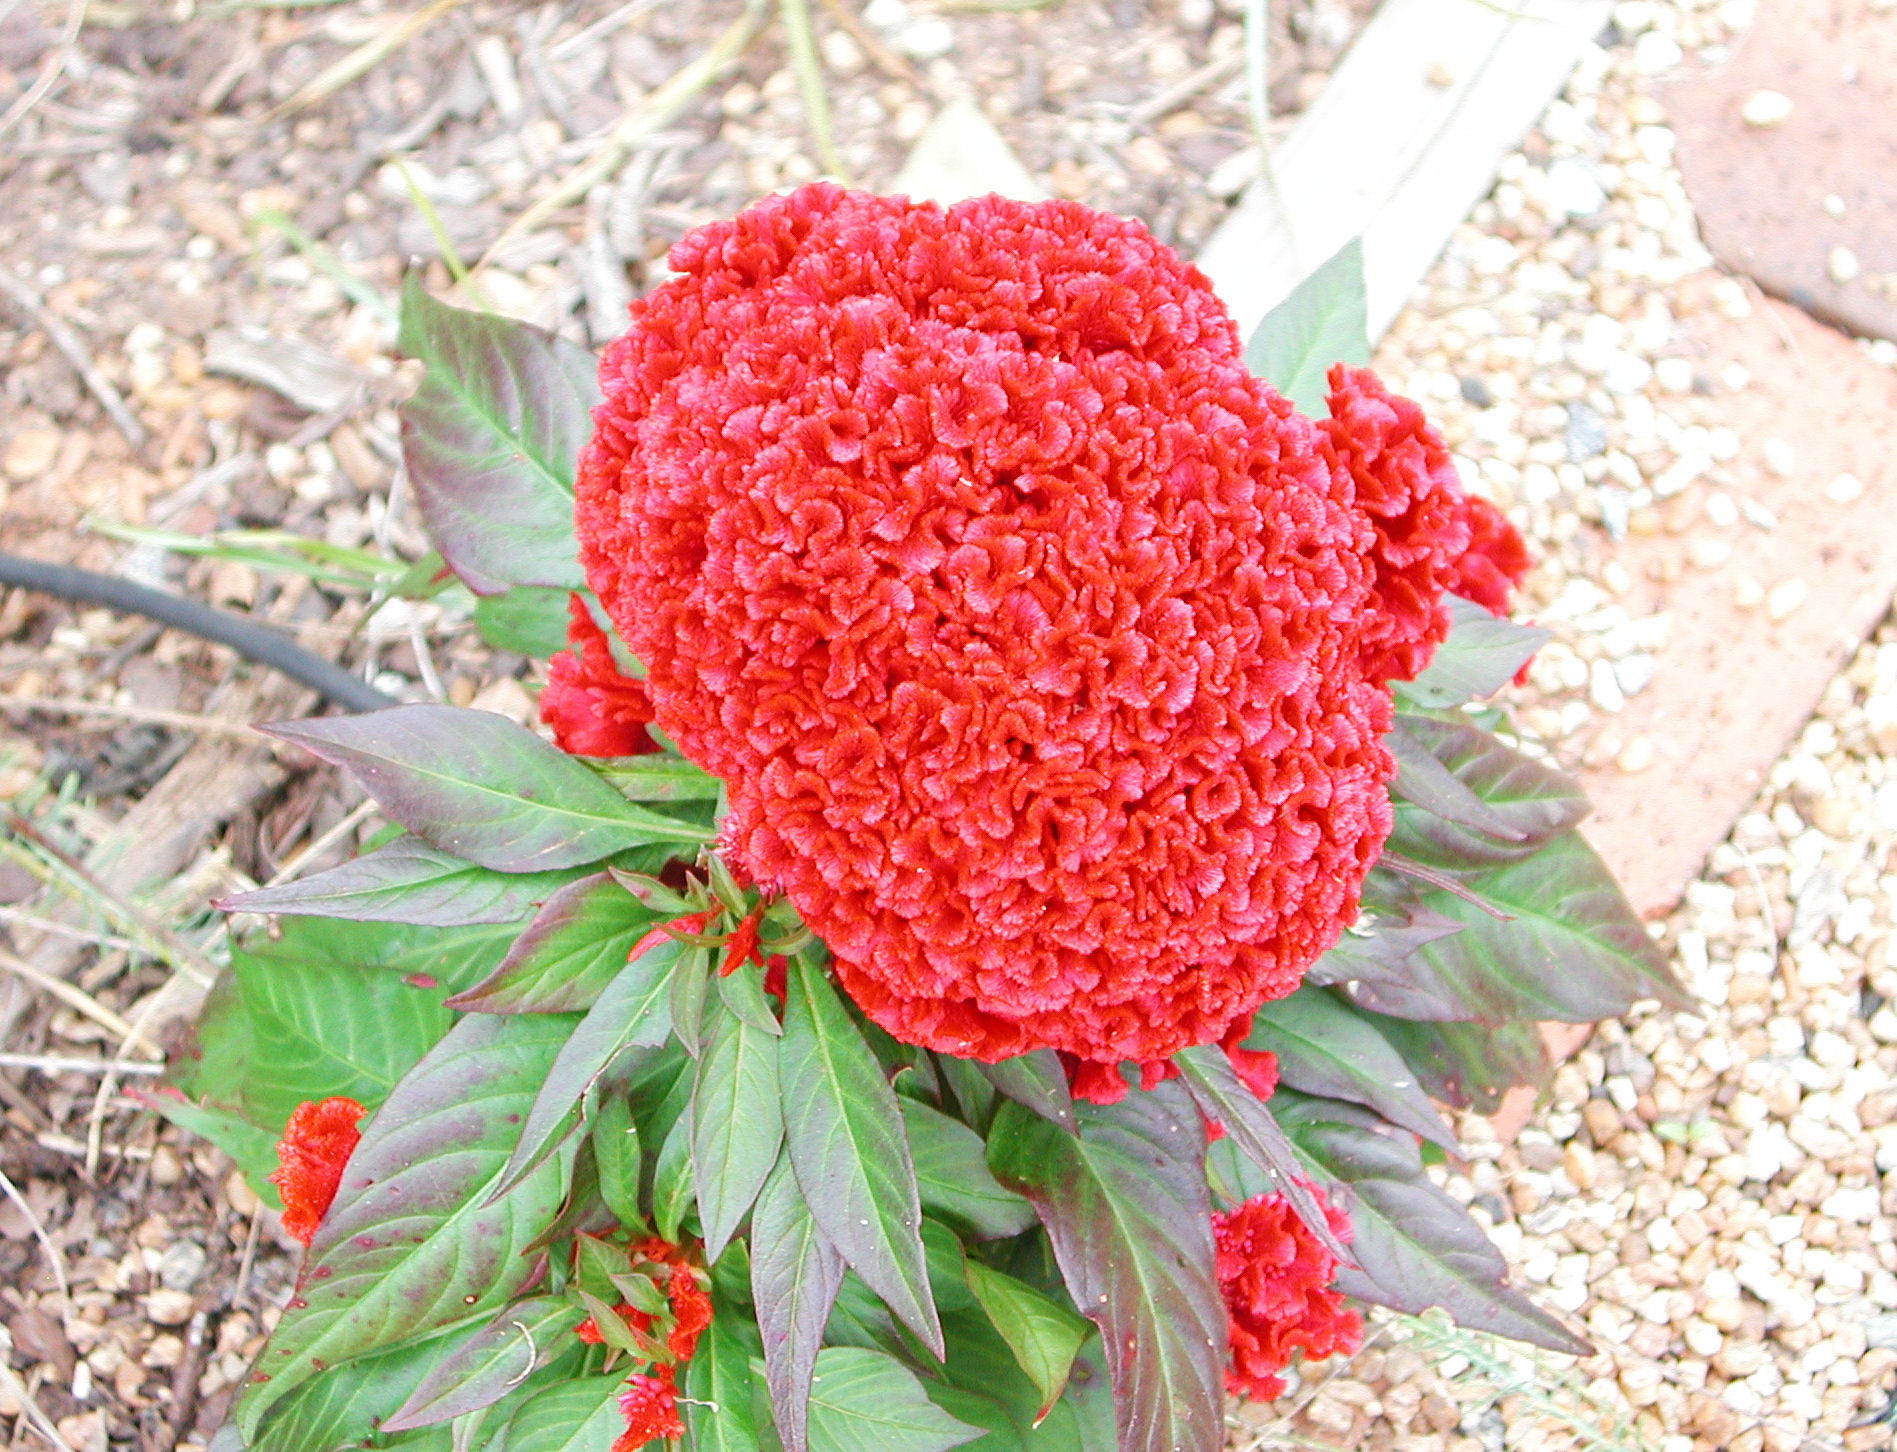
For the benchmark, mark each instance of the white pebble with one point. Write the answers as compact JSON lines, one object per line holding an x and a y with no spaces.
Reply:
{"x":1844,"y":489}
{"x":1780,"y":458}
{"x":1766,"y":108}
{"x":1604,"y":687}
{"x":1674,"y":375}
{"x":1784,"y":598}
{"x":1842,"y":264}
{"x":1655,"y":54}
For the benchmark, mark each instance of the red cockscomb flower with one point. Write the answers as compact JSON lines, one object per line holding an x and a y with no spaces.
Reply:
{"x":1275,"y":1278}
{"x":1495,"y":561}
{"x":316,"y":1144}
{"x":650,"y":1406}
{"x":1020,"y":620}
{"x":592,"y":709}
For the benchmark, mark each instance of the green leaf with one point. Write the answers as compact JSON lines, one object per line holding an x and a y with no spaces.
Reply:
{"x":672,"y":1179}
{"x":1481,"y":655}
{"x":848,"y":1149}
{"x":1470,"y":1065}
{"x":660,"y":777}
{"x":1325,"y":1048}
{"x":482,"y":1369}
{"x":795,"y":1275}
{"x":581,"y":1415}
{"x":1573,"y":949}
{"x":865,"y":1401}
{"x":742,"y":992}
{"x":345,"y":1405}
{"x":737,"y":1126}
{"x":1486,"y":803}
{"x":952,"y":1176}
{"x":1124,"y":1202}
{"x":618,"y":1160}
{"x":577,"y":943}
{"x":491,"y":438}
{"x":630,"y":1013}
{"x":691,"y":988}
{"x":1322,"y":322}
{"x":529,"y":620}
{"x":1044,"y":1335}
{"x":1220,"y":1094}
{"x":476,"y":785}
{"x":1383,"y":959}
{"x":1035,"y":1081}
{"x":719,"y":1389}
{"x":1414,"y":1246}
{"x":406,"y":881}
{"x":408,"y":1246}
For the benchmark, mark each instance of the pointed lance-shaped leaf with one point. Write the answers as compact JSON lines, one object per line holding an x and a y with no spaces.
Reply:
{"x":847,"y":1146}
{"x":1384,"y":959}
{"x":866,"y":1401}
{"x":795,"y":1273}
{"x":581,"y":1415}
{"x":1481,"y":655}
{"x":717,"y":1391}
{"x":405,"y":881}
{"x":1043,"y":1334}
{"x":1415,"y":1247}
{"x":1518,"y":802}
{"x":1220,"y":1094}
{"x":1324,"y":1047}
{"x":1035,"y":1081}
{"x":482,"y":1369}
{"x":737,"y":1125}
{"x":1470,"y":1065}
{"x":577,"y":943}
{"x":1125,"y":1204}
{"x":953,"y":1179}
{"x":491,"y":438}
{"x":335,"y":1407}
{"x":480,"y":787}
{"x":1322,"y":322}
{"x":409,"y":1246}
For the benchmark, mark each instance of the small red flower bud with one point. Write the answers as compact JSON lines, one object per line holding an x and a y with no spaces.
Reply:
{"x":316,"y":1144}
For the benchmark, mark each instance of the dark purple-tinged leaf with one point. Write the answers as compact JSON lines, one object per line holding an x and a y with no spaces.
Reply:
{"x":406,"y":881}
{"x":865,"y":1401}
{"x":672,"y":1179}
{"x":482,"y":1369}
{"x":662,"y":901}
{"x":617,"y":1159}
{"x":630,"y":1013}
{"x":577,"y":944}
{"x":691,"y":988}
{"x":1422,"y":779}
{"x":1383,"y":962}
{"x":1325,"y":1048}
{"x":795,"y":1274}
{"x":952,"y":1176}
{"x":1220,"y":1094}
{"x":1124,"y":1202}
{"x":409,"y":1245}
{"x":529,"y":620}
{"x":1573,"y":951}
{"x":1481,"y":656}
{"x":1035,"y":1081}
{"x":1519,"y":803}
{"x":581,"y":1415}
{"x":491,"y":439}
{"x":718,"y":1390}
{"x":737,"y":1125}
{"x":476,"y":785}
{"x":345,"y":1403}
{"x":1043,"y":1334}
{"x":1470,"y":1065}
{"x":1415,"y":1247}
{"x":847,"y":1146}
{"x":971,"y":1092}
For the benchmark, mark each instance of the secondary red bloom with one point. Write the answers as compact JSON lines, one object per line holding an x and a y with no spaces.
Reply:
{"x":691,"y":1312}
{"x":1275,"y":1278}
{"x":316,"y":1144}
{"x":592,"y":709}
{"x":650,"y":1405}
{"x":1495,"y":560}
{"x":1019,"y":619}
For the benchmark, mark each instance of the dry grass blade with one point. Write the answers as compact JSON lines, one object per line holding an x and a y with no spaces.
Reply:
{"x":661,"y":108}
{"x":66,"y":1064}
{"x":53,"y":1257}
{"x":50,"y":69}
{"x":77,"y":999}
{"x":74,"y":352}
{"x":16,"y":1389}
{"x":599,"y":30}
{"x":177,"y":720}
{"x":364,"y":58}
{"x":884,"y":59}
{"x":801,"y":41}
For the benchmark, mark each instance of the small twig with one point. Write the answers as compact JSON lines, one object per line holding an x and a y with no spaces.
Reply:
{"x":184,"y":1381}
{"x":598,"y":30}
{"x":240,"y":1287}
{"x":76,"y":999}
{"x":63,"y":1064}
{"x":364,"y":58}
{"x":42,"y":1423}
{"x":881,"y":56}
{"x":53,"y":1257}
{"x":74,"y":351}
{"x":357,"y":815}
{"x":179,"y":720}
{"x":67,"y":930}
{"x":50,"y":71}
{"x":1184,"y":89}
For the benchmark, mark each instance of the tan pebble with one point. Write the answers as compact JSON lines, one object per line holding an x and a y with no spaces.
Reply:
{"x":1708,"y":554}
{"x":30,"y":453}
{"x":1148,"y":156}
{"x":1066,"y":178}
{"x":165,"y":1352}
{"x":187,"y":367}
{"x":356,"y":459}
{"x":1439,"y":76}
{"x":1645,"y":522}
{"x":1725,"y":1312}
{"x":505,"y":697}
{"x":1747,"y":593}
{"x":223,"y":402}
{"x":1832,"y":816}
{"x":1578,"y":1161}
{"x":242,"y":1199}
{"x":1440,"y":1412}
{"x":166,"y":1168}
{"x":1602,"y":1119}
{"x":169,"y":1308}
{"x":1328,"y":1414}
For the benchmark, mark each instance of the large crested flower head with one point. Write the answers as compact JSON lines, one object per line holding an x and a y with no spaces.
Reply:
{"x":1018,"y":617}
{"x":316,"y":1144}
{"x":1275,"y":1277}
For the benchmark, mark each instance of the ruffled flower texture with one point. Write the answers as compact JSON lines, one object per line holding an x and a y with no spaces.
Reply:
{"x":1020,"y":620}
{"x":591,"y":708}
{"x":316,"y":1144}
{"x":650,"y":1400}
{"x":1275,"y":1278}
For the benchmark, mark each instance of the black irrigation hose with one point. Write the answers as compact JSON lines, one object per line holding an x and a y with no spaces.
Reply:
{"x":261,"y":643}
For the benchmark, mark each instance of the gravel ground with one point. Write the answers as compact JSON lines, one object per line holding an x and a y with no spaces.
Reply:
{"x":1702,"y":1193}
